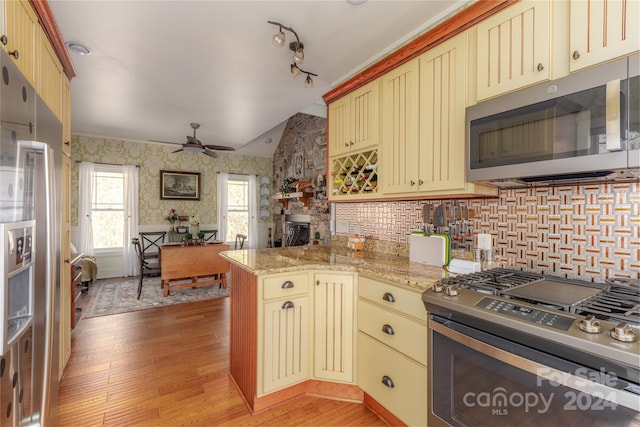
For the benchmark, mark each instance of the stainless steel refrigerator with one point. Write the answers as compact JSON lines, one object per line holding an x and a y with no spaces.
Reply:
{"x":30,"y":168}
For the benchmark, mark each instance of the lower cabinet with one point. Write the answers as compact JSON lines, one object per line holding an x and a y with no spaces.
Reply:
{"x":283,"y":344}
{"x":393,"y":380}
{"x":334,"y":326}
{"x":286,"y":343}
{"x":392,"y":348}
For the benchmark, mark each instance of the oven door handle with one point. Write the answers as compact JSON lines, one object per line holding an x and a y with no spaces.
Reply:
{"x":627,"y":399}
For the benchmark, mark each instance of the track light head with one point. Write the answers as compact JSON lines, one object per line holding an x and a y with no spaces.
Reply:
{"x":278,"y":38}
{"x":308,"y":82}
{"x":297,"y":48}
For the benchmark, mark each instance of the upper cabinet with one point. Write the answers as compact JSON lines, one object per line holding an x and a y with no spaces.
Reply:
{"x":400,"y":104}
{"x":513,"y":49}
{"x":353,"y":121}
{"x":602,"y":30}
{"x":22,"y":33}
{"x":50,"y":76}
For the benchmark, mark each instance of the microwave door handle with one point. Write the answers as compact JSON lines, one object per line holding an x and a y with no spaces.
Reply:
{"x":613,"y":115}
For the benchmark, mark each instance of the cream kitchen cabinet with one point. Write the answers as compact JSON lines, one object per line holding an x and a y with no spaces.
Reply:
{"x":283,"y":344}
{"x":423,"y":149}
{"x":353,"y":121}
{"x":392,"y":348}
{"x":66,"y":115}
{"x":602,"y":30}
{"x":50,"y":76}
{"x":399,"y":127}
{"x":22,"y":35}
{"x":334,"y":326}
{"x":512,"y":49}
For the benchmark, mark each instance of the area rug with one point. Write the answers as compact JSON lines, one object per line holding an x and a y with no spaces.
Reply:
{"x":120,"y":296}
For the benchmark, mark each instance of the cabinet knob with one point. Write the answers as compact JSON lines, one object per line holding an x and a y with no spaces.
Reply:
{"x":387,"y":329}
{"x":287,"y":305}
{"x":287,"y":285}
{"x":350,"y":142}
{"x":388,"y":297}
{"x":3,"y":39}
{"x":67,"y":260}
{"x":540,"y":67}
{"x":67,"y":143}
{"x":14,"y":53}
{"x":387,"y":382}
{"x":420,"y":182}
{"x":413,"y":183}
{"x":576,"y":54}
{"x":346,"y":144}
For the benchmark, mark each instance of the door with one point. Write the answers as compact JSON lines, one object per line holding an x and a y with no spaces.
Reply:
{"x":602,"y":30}
{"x":442,"y":117}
{"x":513,"y":49}
{"x":285,"y":343}
{"x":334,"y":326}
{"x":400,"y":129}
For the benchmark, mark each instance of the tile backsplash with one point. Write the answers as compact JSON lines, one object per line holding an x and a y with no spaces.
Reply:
{"x":589,"y":232}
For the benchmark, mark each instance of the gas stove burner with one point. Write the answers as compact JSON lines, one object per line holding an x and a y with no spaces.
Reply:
{"x":620,"y":281}
{"x":620,"y":303}
{"x":492,"y":281}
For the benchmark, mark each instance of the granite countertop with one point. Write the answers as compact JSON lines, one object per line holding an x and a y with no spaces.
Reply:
{"x":397,"y":269}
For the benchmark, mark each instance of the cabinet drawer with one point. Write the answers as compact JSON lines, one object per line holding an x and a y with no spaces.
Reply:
{"x":407,"y":399}
{"x":285,"y":285}
{"x":404,"y":300}
{"x":406,"y":336}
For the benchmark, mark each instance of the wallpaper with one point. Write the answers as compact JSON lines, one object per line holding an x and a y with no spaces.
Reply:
{"x":152,"y":158}
{"x":580,"y":231}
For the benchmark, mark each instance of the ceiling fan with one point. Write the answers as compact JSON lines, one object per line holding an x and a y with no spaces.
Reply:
{"x":195,"y":146}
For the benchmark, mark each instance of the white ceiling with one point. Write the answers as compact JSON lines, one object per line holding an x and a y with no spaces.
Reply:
{"x":159,"y":65}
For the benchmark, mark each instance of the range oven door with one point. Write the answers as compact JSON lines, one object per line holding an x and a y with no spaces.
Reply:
{"x":480,"y":379}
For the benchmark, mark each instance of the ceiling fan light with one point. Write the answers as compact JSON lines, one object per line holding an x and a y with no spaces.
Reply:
{"x":308,"y":82}
{"x":278,"y":38}
{"x":298,"y":57}
{"x":295,"y":70}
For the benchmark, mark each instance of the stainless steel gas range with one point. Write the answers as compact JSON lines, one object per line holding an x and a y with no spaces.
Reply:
{"x":508,"y":347}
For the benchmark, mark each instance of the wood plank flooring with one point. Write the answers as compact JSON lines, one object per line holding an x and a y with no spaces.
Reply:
{"x":169,"y":366}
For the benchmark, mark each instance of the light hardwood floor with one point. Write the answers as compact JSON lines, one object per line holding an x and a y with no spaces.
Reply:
{"x":169,"y":366}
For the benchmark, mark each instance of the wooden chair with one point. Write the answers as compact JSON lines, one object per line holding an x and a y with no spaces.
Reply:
{"x":150,"y":242}
{"x":240,"y":238}
{"x":209,"y":234}
{"x":146,"y":268}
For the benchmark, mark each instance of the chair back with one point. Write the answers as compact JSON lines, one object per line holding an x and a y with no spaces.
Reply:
{"x":150,"y":242}
{"x":240,"y":238}
{"x":209,"y":234}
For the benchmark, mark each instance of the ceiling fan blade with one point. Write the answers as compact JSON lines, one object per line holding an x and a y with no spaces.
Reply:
{"x":164,"y":142}
{"x":220,"y":147}
{"x":210,"y":153}
{"x":178,"y":150}
{"x":193,"y":140}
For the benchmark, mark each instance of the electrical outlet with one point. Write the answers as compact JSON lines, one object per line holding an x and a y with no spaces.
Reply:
{"x":484,"y":241}
{"x":342,"y":226}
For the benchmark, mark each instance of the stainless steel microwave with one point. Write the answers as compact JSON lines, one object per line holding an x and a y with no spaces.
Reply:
{"x":583,"y":127}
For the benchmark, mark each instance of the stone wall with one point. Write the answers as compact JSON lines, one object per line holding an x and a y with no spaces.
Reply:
{"x":302,"y":154}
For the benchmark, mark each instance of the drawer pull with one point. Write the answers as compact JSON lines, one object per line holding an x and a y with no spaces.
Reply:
{"x":3,"y":39}
{"x":576,"y":54}
{"x":388,"y":297}
{"x":387,"y":329}
{"x":14,"y":53}
{"x":287,"y":285}
{"x":387,"y":382}
{"x":287,"y":305}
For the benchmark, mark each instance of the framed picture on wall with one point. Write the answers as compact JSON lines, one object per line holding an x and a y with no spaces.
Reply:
{"x":179,"y":185}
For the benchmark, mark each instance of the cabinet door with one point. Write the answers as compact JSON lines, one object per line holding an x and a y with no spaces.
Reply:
{"x":339,"y":126}
{"x":364,"y":116}
{"x":49,"y":80}
{"x":400,"y":129}
{"x":22,"y":25}
{"x":67,"y":288}
{"x":442,"y":117}
{"x":66,"y":115}
{"x":285,"y":352}
{"x":513,"y":48}
{"x":601,"y":30}
{"x":334,"y":322}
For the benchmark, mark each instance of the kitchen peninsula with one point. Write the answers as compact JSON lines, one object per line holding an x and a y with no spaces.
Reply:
{"x":299,"y":316}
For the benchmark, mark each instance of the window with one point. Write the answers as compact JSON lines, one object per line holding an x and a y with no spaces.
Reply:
{"x":238,"y":216}
{"x":107,"y":208}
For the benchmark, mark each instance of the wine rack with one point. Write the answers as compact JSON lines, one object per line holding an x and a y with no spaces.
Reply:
{"x":354,"y":175}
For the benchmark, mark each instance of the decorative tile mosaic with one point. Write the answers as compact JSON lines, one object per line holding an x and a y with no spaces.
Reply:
{"x":590,"y":232}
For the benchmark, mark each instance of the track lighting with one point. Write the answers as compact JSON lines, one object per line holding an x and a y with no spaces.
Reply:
{"x":297,"y":47}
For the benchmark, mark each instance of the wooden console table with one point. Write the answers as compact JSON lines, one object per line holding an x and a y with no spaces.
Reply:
{"x":178,"y":262}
